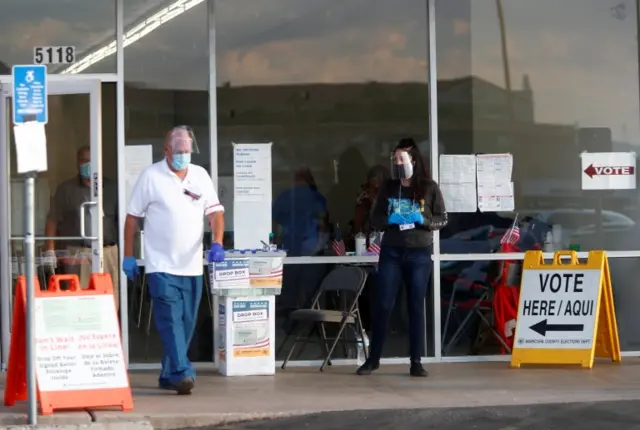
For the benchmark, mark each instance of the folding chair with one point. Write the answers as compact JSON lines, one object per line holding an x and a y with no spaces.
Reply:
{"x":343,"y":280}
{"x":482,"y":305}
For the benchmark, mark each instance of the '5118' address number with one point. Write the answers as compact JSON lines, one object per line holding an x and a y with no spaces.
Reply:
{"x":54,"y":55}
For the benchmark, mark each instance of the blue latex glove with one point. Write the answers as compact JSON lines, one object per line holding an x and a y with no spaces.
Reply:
{"x":216,"y":253}
{"x":130,"y":267}
{"x":416,"y":217}
{"x":396,"y":218}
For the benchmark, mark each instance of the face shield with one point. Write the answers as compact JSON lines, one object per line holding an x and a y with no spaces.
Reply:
{"x":182,"y":140}
{"x":180,"y":143}
{"x":401,"y":165}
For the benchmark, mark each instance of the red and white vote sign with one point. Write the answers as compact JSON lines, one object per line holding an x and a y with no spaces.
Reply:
{"x":608,"y":170}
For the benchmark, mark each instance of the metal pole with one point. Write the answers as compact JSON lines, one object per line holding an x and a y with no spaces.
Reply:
{"x":434,"y":139}
{"x":29,"y":251}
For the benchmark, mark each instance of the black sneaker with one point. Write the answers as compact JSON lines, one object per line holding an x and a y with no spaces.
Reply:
{"x":417,"y":370}
{"x":368,"y":367}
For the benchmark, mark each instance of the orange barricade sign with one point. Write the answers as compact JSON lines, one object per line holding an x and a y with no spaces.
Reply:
{"x":79,"y":358}
{"x":566,"y":313}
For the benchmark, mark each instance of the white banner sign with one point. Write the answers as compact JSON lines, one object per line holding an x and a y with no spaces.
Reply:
{"x":608,"y":170}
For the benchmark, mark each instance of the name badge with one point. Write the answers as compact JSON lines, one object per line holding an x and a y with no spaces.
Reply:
{"x":404,"y":227}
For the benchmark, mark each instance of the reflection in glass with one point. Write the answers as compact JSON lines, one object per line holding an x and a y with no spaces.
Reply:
{"x":543,"y":81}
{"x":166,"y":85}
{"x":333,"y":86}
{"x":84,"y":25}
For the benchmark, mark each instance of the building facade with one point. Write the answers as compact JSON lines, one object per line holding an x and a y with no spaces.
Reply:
{"x":334,"y":86}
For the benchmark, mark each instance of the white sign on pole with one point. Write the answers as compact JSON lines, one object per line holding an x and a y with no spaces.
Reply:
{"x":78,"y":345}
{"x":608,"y":170}
{"x":31,"y":147}
{"x":558,"y":309}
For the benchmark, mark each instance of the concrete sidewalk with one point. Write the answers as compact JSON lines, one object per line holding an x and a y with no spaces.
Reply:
{"x":217,"y":399}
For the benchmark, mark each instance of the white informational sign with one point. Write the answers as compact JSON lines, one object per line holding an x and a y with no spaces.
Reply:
{"x":54,"y":55}
{"x":495,"y":187}
{"x":136,"y":159}
{"x":247,"y":336}
{"x":78,"y":344}
{"x":608,"y":170}
{"x":458,"y":182}
{"x":252,"y":172}
{"x":558,"y":309}
{"x":31,"y":147}
{"x":252,"y":194}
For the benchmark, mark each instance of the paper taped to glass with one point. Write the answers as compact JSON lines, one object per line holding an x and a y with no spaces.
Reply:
{"x":495,"y":186}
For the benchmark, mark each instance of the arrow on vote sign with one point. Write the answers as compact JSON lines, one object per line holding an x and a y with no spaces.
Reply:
{"x":592,"y":170}
{"x":543,"y":327}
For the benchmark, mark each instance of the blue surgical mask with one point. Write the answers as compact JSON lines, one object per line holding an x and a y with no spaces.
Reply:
{"x":85,"y":170}
{"x":180,"y":161}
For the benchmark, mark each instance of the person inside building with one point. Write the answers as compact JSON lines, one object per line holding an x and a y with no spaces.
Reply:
{"x":63,"y":219}
{"x":408,"y":208}
{"x":173,"y":196}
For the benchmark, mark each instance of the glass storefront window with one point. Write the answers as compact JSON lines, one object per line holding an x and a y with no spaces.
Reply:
{"x":333,"y":86}
{"x":87,"y":26}
{"x":543,"y":81}
{"x":166,"y":75}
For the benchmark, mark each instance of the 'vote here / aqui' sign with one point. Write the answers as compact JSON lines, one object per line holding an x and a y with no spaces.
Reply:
{"x":558,"y":309}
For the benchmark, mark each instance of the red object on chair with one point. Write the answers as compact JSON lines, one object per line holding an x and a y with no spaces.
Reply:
{"x":505,"y":301}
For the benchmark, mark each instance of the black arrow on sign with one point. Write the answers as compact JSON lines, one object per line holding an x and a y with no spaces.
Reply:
{"x":542,"y":327}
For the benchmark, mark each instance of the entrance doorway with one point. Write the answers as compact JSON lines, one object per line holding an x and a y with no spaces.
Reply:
{"x":71,"y":215}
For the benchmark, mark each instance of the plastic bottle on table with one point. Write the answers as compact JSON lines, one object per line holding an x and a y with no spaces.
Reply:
{"x":361,"y":244}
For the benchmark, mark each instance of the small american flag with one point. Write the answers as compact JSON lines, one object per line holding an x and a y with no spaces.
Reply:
{"x":375,"y":246}
{"x":512,"y":236}
{"x":337,"y":245}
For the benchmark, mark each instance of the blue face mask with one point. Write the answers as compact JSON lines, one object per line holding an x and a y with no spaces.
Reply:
{"x":180,"y":161}
{"x":85,"y":170}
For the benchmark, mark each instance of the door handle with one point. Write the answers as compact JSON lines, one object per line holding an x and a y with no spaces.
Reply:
{"x":83,"y":207}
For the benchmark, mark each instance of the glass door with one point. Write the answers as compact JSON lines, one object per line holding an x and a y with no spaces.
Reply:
{"x":68,"y":196}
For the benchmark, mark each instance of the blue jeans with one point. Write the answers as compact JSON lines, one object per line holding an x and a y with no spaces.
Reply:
{"x":397,"y":265}
{"x":175,"y":309}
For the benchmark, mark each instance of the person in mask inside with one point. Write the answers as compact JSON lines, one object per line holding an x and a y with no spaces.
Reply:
{"x":408,"y":208}
{"x":63,"y":219}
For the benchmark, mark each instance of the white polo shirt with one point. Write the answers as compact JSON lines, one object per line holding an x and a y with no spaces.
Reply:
{"x":173,"y":217}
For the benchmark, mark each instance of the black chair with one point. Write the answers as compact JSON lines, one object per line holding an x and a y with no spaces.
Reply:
{"x":481,"y":303}
{"x":348,"y":282}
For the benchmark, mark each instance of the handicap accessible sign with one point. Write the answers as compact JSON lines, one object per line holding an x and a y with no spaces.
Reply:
{"x":30,"y":94}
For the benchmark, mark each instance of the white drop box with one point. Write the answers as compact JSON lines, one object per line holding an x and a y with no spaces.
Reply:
{"x":247,"y":336}
{"x":246,"y":285}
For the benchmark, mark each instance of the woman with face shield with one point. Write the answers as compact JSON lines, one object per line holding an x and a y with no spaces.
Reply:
{"x":408,"y":208}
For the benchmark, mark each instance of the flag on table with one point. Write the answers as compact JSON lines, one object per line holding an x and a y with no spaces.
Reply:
{"x":337,"y":245}
{"x":512,"y":236}
{"x":375,"y":245}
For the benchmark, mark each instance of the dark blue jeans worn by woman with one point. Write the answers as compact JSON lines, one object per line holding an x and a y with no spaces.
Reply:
{"x":398,"y":265}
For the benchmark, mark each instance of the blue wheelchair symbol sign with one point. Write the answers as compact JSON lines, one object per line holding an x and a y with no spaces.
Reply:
{"x":30,"y":94}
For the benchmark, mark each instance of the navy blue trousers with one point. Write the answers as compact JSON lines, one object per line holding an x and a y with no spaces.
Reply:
{"x":411,"y":266}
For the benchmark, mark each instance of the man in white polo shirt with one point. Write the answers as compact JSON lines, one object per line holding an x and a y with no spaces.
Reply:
{"x":173,"y":196}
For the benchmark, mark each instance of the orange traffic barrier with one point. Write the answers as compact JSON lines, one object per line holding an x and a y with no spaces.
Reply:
{"x":79,"y":359}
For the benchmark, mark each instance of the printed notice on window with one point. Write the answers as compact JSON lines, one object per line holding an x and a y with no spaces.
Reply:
{"x":495,"y":186}
{"x":458,"y":182}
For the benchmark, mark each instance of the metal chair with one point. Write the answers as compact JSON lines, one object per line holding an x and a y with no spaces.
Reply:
{"x":481,"y":304}
{"x":347,"y":281}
